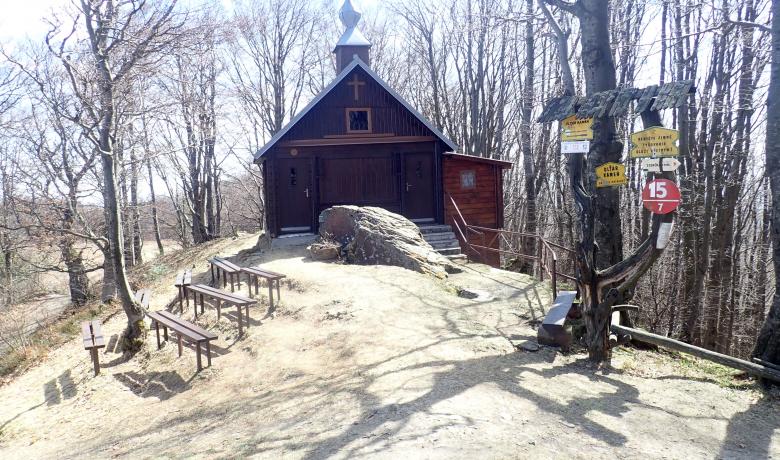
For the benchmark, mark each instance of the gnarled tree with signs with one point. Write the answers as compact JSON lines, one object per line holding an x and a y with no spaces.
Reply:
{"x":605,"y":277}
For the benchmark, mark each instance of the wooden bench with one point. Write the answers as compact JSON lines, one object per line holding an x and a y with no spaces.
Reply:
{"x":183,"y":280}
{"x":220,"y":296}
{"x":553,"y":330}
{"x":271,"y":277}
{"x":224,"y":269}
{"x":93,"y":338}
{"x":142,"y":296}
{"x":183,"y":328}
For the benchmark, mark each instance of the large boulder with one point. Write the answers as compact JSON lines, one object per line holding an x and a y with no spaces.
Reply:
{"x":375,"y":236}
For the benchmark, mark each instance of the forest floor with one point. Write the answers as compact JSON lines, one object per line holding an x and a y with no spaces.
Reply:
{"x":382,"y":362}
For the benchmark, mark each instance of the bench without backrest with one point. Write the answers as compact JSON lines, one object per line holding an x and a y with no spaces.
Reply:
{"x":92,"y":335}
{"x":224,"y":269}
{"x":183,"y":280}
{"x":269,"y":276}
{"x":221,"y":296}
{"x":183,"y":328}
{"x":552,"y":331}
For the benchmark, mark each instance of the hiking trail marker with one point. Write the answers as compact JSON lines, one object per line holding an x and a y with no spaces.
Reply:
{"x":575,"y":146}
{"x":654,"y":142}
{"x":611,"y":174}
{"x":576,"y":129}
{"x":660,"y":164}
{"x":661,"y":196}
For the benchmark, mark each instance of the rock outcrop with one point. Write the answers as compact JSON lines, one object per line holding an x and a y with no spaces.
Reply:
{"x":375,"y":236}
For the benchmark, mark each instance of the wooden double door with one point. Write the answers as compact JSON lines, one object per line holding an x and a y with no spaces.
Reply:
{"x":401,"y":183}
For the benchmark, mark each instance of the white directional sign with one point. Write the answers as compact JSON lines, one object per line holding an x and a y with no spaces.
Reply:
{"x":660,"y":164}
{"x":575,"y":146}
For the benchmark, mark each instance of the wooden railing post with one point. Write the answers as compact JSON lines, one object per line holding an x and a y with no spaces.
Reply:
{"x":540,"y":256}
{"x":554,"y":277}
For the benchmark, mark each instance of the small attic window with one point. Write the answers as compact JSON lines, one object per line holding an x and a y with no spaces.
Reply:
{"x":359,"y":120}
{"x":468,"y":179}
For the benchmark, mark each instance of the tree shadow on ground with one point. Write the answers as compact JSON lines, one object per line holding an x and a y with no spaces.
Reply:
{"x":161,"y":385}
{"x":749,"y":433}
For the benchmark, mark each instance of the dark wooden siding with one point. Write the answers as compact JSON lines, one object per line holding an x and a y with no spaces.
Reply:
{"x":328,"y":117}
{"x":481,"y":205}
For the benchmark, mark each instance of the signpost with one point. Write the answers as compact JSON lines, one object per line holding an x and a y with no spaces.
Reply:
{"x":660,"y":164}
{"x":576,"y":129}
{"x":661,"y":196}
{"x":654,"y":142}
{"x":575,"y":146}
{"x":611,"y":174}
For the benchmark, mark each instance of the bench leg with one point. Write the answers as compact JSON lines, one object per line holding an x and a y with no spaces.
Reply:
{"x":271,"y":295}
{"x":211,"y":267}
{"x":157,"y":329}
{"x":219,"y":309}
{"x":180,"y":344}
{"x":232,"y":282}
{"x":224,"y":278}
{"x":247,"y":316}
{"x":257,"y":285}
{"x":278,"y":293}
{"x":197,"y":354}
{"x":240,"y":326}
{"x":181,"y":299}
{"x":186,"y":296}
{"x":202,"y":303}
{"x":208,"y":352}
{"x":249,"y":283}
{"x":95,"y":360}
{"x":165,"y":333}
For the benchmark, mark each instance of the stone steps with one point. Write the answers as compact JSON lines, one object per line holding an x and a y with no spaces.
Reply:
{"x":443,"y":240}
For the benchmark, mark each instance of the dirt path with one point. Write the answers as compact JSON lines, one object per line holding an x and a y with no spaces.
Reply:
{"x":379,"y":362}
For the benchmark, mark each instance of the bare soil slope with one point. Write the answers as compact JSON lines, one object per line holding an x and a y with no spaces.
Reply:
{"x":379,"y":362}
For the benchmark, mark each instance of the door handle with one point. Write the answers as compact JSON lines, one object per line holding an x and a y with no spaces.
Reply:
{"x":408,"y":186}
{"x":306,"y":192}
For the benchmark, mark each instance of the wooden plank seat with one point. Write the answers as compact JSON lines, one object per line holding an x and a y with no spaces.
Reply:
{"x":219,"y":296}
{"x":553,"y":331}
{"x":92,"y":335}
{"x":183,"y":280}
{"x":183,"y":328}
{"x":255,"y":273}
{"x":224,"y":269}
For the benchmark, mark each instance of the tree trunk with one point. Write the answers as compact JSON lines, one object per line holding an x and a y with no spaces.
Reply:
{"x":155,"y":218}
{"x":768,"y":344}
{"x":78,"y":282}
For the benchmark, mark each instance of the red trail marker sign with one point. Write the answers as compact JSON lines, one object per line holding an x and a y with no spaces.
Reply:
{"x":661,"y":196}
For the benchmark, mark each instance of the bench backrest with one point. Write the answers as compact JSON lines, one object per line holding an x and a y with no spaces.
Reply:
{"x":142,"y":296}
{"x":263,"y":272}
{"x":92,"y":334}
{"x":182,"y":326}
{"x":225,"y":296}
{"x":225,"y":264}
{"x":184,"y":278}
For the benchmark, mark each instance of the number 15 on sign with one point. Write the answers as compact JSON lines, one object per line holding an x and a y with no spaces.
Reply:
{"x":661,"y":196}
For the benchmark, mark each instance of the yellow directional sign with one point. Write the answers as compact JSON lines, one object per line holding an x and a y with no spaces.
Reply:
{"x":576,"y":129}
{"x":654,"y":142}
{"x":611,"y":174}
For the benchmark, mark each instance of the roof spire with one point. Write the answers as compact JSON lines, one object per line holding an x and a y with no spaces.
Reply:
{"x":352,"y":42}
{"x":349,"y":15}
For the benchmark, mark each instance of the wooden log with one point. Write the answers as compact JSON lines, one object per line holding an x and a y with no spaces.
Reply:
{"x":725,"y":360}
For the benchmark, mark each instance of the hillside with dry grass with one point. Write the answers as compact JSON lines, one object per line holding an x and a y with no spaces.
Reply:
{"x":373,"y":361}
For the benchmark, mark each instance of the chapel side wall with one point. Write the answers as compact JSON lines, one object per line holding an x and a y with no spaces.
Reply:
{"x":480,"y":205}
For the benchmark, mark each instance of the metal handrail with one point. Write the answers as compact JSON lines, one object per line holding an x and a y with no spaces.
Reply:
{"x":546,"y":255}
